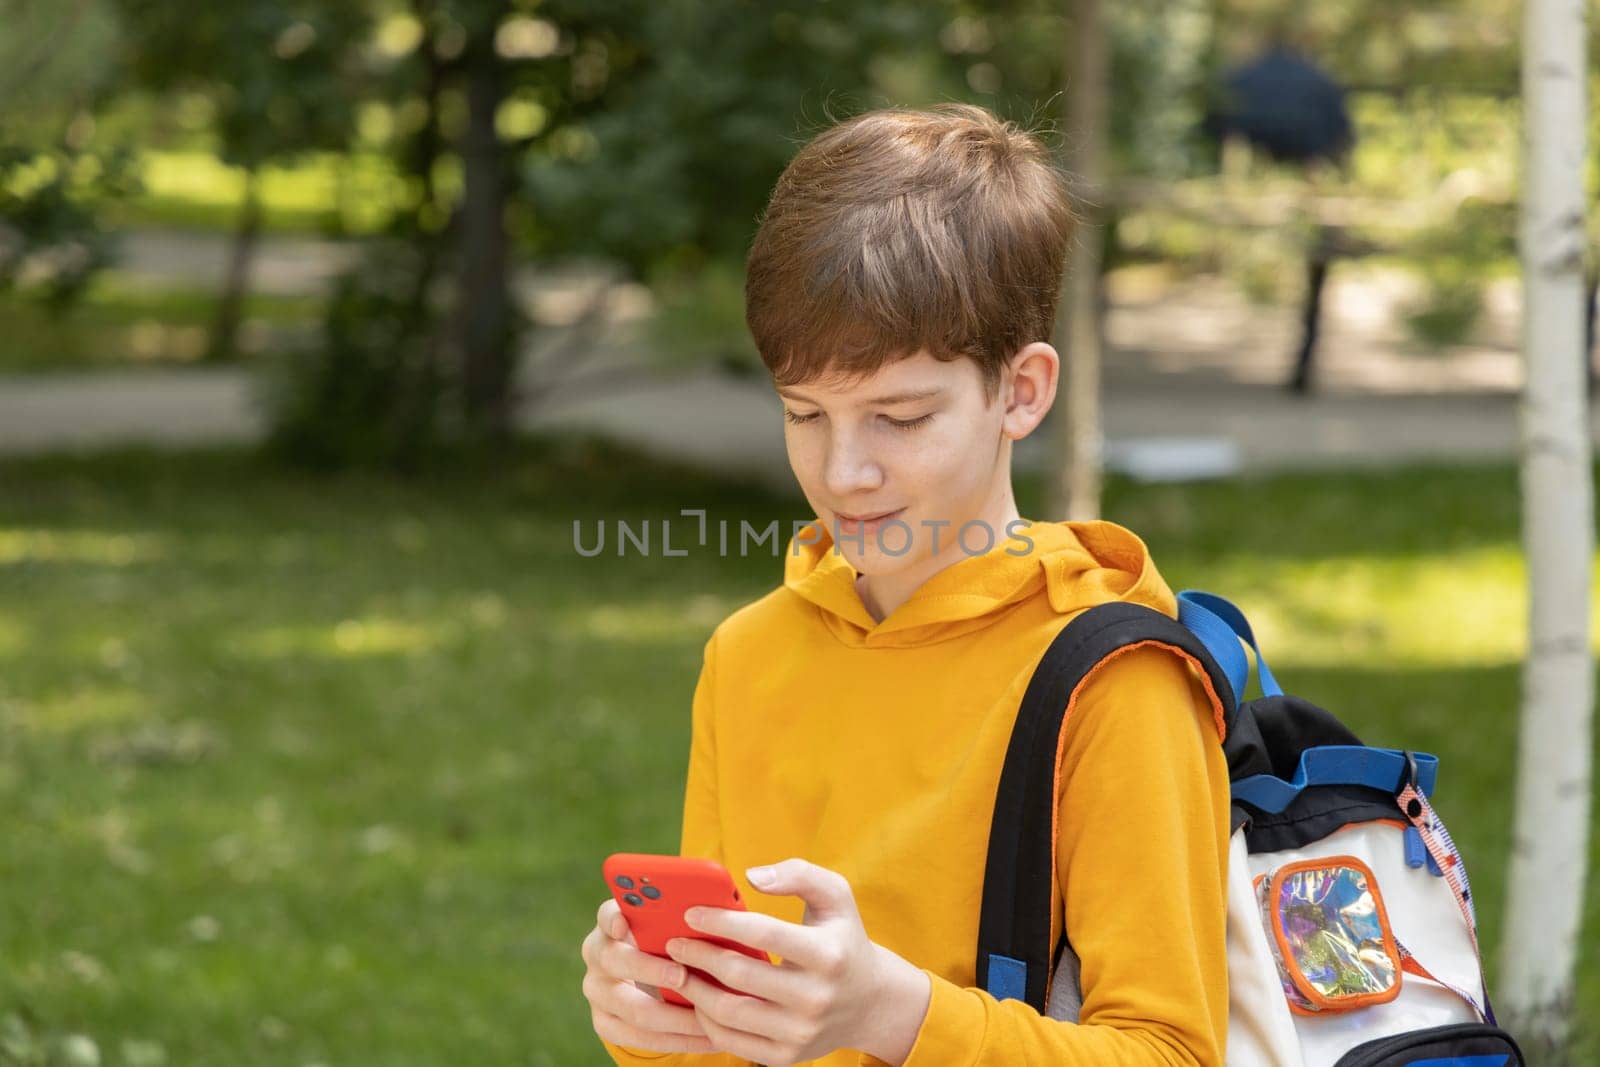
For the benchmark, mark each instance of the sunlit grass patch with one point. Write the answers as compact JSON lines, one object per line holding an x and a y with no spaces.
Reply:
{"x":1457,"y":608}
{"x":112,"y":548}
{"x":648,"y":621}
{"x":192,"y":188}
{"x":346,"y":639}
{"x":82,"y":708}
{"x":118,"y":323}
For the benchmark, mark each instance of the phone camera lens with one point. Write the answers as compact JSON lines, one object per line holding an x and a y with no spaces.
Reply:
{"x":633,"y":898}
{"x":624,"y":881}
{"x":652,"y":892}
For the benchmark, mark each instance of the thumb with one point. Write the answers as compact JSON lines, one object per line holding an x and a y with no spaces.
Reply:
{"x":826,"y":893}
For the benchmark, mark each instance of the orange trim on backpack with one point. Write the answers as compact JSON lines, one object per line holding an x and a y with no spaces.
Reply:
{"x":1219,"y":717}
{"x":1410,"y":965}
{"x":1307,"y":990}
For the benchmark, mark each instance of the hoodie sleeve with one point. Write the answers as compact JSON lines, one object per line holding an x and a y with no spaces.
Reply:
{"x":1141,"y":855}
{"x":701,"y":836}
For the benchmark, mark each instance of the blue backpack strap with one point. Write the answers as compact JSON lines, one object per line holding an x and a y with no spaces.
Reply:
{"x":1377,"y":768}
{"x":1014,"y":936}
{"x":1222,"y":626}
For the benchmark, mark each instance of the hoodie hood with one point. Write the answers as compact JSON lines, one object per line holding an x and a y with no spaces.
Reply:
{"x":1075,"y":565}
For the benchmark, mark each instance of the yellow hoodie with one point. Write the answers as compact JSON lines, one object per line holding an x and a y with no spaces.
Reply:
{"x":874,"y":749}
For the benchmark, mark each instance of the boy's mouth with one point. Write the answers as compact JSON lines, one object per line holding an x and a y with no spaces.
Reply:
{"x":853,"y":524}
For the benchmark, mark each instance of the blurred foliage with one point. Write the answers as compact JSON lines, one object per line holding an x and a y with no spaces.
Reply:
{"x":707,"y":103}
{"x":272,"y":78}
{"x":1448,"y":311}
{"x":675,"y":170}
{"x":700,"y":318}
{"x":648,"y":134}
{"x":50,"y":233}
{"x":1380,"y":45}
{"x":56,"y":57}
{"x":1454,"y":263}
{"x":55,"y":177}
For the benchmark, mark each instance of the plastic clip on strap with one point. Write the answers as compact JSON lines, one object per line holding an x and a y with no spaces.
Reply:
{"x":1221,"y":626}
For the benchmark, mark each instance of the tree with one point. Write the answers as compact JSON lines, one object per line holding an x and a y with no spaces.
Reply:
{"x":1550,"y":841}
{"x":281,"y":80}
{"x":54,"y":177}
{"x":1079,"y":333}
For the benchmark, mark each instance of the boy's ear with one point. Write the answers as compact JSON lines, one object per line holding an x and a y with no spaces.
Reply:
{"x":1030,"y":388}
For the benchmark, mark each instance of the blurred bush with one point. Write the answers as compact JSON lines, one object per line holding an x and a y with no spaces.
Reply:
{"x":700,"y":318}
{"x":1455,"y":262}
{"x":57,"y":63}
{"x":371,"y":390}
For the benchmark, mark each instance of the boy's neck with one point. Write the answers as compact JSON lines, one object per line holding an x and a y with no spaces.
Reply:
{"x":883,"y":594}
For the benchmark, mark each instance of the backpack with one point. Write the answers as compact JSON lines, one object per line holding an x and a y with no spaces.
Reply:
{"x":1352,"y":940}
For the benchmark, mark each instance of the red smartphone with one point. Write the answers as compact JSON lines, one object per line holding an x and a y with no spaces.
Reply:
{"x":655,"y":891}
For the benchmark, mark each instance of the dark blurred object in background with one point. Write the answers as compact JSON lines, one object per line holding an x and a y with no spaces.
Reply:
{"x":1284,"y":104}
{"x":1287,"y":106}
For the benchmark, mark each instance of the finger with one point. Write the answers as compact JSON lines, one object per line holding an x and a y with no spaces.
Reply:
{"x":712,"y":1005}
{"x":826,"y":893}
{"x":640,"y":1010}
{"x":789,"y":941}
{"x":591,"y":947}
{"x":626,"y":963}
{"x":619,"y":1032}
{"x":738,"y":971}
{"x":612,"y":922}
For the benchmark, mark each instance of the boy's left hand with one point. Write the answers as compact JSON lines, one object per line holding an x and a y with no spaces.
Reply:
{"x":835,"y":988}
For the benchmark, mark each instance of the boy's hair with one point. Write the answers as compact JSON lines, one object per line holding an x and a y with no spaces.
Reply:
{"x":898,"y":231}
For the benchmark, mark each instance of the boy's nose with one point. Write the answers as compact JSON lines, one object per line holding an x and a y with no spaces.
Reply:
{"x":850,"y":469}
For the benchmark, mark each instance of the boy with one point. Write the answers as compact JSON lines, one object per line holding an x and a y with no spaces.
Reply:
{"x":849,"y":727}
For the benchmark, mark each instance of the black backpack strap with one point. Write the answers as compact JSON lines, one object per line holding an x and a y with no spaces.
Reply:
{"x":1014,"y":935}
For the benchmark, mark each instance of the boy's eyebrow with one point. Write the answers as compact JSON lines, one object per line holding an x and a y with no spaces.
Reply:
{"x":891,"y":398}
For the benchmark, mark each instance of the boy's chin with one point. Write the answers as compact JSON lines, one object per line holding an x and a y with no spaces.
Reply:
{"x":875,"y":563}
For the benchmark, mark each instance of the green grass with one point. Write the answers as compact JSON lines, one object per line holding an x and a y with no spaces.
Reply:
{"x":120,"y":324}
{"x":300,"y":769}
{"x":320,"y":192}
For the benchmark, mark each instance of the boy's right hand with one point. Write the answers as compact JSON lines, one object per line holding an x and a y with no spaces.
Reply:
{"x":622,"y":1012}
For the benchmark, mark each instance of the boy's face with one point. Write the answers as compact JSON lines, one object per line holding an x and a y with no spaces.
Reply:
{"x":918,"y":441}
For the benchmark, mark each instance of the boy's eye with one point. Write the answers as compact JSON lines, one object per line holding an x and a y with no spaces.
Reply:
{"x":794,"y":418}
{"x":910,"y":424}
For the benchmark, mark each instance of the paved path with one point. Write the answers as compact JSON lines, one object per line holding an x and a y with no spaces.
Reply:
{"x":1192,"y":365}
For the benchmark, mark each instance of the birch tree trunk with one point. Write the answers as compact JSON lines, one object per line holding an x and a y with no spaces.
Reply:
{"x":1079,"y":437}
{"x":1550,"y":839}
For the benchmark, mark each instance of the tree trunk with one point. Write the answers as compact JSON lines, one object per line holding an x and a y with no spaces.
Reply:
{"x":1076,"y":487}
{"x":1550,"y":837}
{"x":224,"y":340}
{"x":483,"y":310}
{"x":417,"y":411}
{"x":1317,"y":259}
